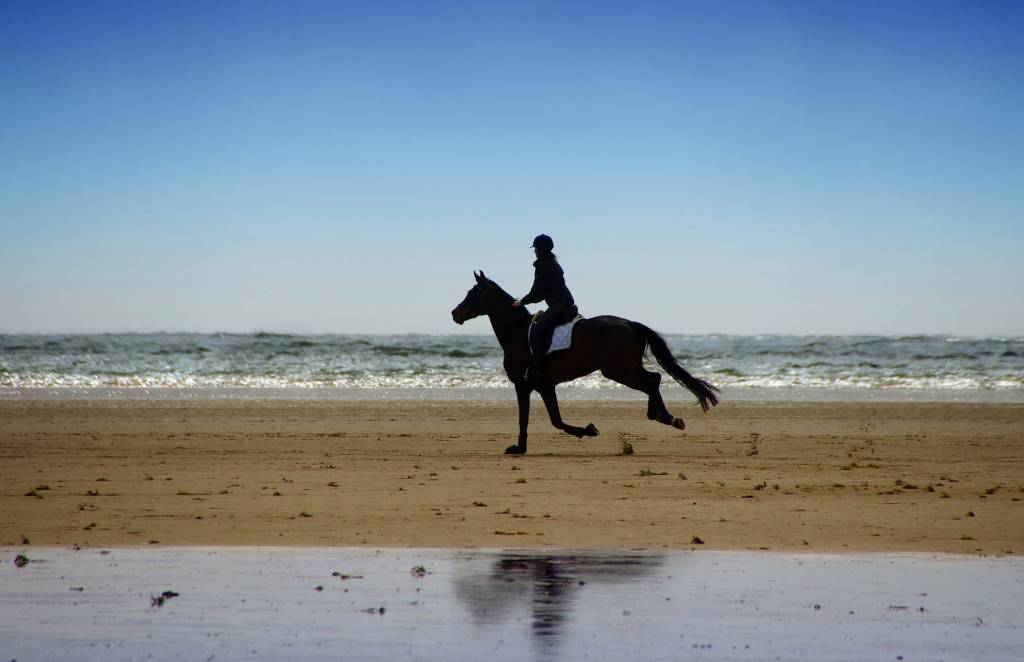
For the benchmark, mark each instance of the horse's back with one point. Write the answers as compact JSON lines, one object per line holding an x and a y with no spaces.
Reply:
{"x":606,"y":329}
{"x":606,"y":323}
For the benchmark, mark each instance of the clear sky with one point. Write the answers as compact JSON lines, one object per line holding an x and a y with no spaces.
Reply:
{"x":736,"y":167}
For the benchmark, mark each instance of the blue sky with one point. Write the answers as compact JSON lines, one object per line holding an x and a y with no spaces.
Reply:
{"x":737,"y":167}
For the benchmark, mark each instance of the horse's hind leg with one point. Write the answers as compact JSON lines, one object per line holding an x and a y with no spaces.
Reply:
{"x":551,"y":402}
{"x":648,"y":382}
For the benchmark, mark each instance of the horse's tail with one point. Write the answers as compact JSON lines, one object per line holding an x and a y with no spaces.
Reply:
{"x":707,"y":394}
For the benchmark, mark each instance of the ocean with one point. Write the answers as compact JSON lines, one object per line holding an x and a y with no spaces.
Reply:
{"x":398,"y":364}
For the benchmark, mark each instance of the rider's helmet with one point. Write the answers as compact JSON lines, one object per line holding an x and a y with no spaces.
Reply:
{"x":543,"y":243}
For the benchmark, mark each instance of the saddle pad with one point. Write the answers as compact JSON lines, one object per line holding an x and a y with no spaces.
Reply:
{"x":562,"y":336}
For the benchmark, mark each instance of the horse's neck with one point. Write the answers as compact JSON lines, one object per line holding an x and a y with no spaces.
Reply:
{"x":508,"y":325}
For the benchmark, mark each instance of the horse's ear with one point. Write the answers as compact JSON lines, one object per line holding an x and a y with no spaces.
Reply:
{"x":477,"y":276}
{"x":482,"y":276}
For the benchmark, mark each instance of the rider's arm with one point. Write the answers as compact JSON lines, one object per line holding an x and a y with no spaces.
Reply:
{"x":536,"y":293}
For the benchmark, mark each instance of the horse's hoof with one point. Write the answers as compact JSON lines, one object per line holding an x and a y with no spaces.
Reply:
{"x":590,"y":430}
{"x":678,"y":423}
{"x":514,"y":450}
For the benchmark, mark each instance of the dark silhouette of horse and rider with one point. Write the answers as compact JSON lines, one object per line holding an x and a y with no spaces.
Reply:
{"x":613,"y":345}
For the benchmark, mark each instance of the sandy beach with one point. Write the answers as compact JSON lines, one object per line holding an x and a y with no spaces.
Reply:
{"x":780,"y":476}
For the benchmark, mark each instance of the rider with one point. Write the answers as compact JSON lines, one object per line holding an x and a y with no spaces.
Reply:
{"x":549,"y":286}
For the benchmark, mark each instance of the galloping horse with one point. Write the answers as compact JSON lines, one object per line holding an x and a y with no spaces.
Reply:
{"x":613,"y":345}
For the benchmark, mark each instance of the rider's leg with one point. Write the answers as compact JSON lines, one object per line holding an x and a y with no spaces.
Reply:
{"x":540,"y":340}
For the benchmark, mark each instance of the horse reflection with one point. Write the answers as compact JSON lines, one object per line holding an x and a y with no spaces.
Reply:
{"x":546,"y":586}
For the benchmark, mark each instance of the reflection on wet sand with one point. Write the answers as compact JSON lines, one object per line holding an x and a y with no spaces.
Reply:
{"x":285,"y":603}
{"x":545,"y":586}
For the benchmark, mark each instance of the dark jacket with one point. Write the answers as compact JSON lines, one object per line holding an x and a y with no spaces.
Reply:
{"x":548,"y":284}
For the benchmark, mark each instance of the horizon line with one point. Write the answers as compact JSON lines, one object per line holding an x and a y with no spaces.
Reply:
{"x":265,"y":332}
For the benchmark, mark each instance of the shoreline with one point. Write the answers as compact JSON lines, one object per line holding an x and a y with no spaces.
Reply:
{"x":779,"y":476}
{"x":567,"y":392}
{"x":9,"y":551}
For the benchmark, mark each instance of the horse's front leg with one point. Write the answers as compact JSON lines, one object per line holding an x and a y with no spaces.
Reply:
{"x":551,"y":402}
{"x":523,"y":391}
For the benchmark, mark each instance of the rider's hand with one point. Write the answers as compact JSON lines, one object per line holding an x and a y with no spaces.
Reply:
{"x":517,"y":303}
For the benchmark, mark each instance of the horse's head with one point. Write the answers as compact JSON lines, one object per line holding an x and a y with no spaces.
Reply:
{"x":480,"y":300}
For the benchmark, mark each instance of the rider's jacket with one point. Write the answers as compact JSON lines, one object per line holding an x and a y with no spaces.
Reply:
{"x":548,"y":284}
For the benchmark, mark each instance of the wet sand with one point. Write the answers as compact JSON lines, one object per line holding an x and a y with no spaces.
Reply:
{"x":345,"y":603}
{"x":749,"y":475}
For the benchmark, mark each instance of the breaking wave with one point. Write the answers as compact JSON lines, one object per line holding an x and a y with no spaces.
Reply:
{"x":175,"y":360}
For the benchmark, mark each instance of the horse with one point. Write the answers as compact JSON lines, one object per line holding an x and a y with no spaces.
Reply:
{"x":613,"y":345}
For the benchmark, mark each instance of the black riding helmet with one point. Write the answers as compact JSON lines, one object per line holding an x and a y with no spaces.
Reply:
{"x":544,"y":243}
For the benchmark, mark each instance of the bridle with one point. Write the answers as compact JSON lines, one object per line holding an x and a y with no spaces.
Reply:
{"x":469,"y":303}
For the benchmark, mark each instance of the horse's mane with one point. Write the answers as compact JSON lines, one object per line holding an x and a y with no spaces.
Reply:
{"x":520,"y":312}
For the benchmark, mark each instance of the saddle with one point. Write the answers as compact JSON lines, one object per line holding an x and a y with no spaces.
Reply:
{"x":561,"y":337}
